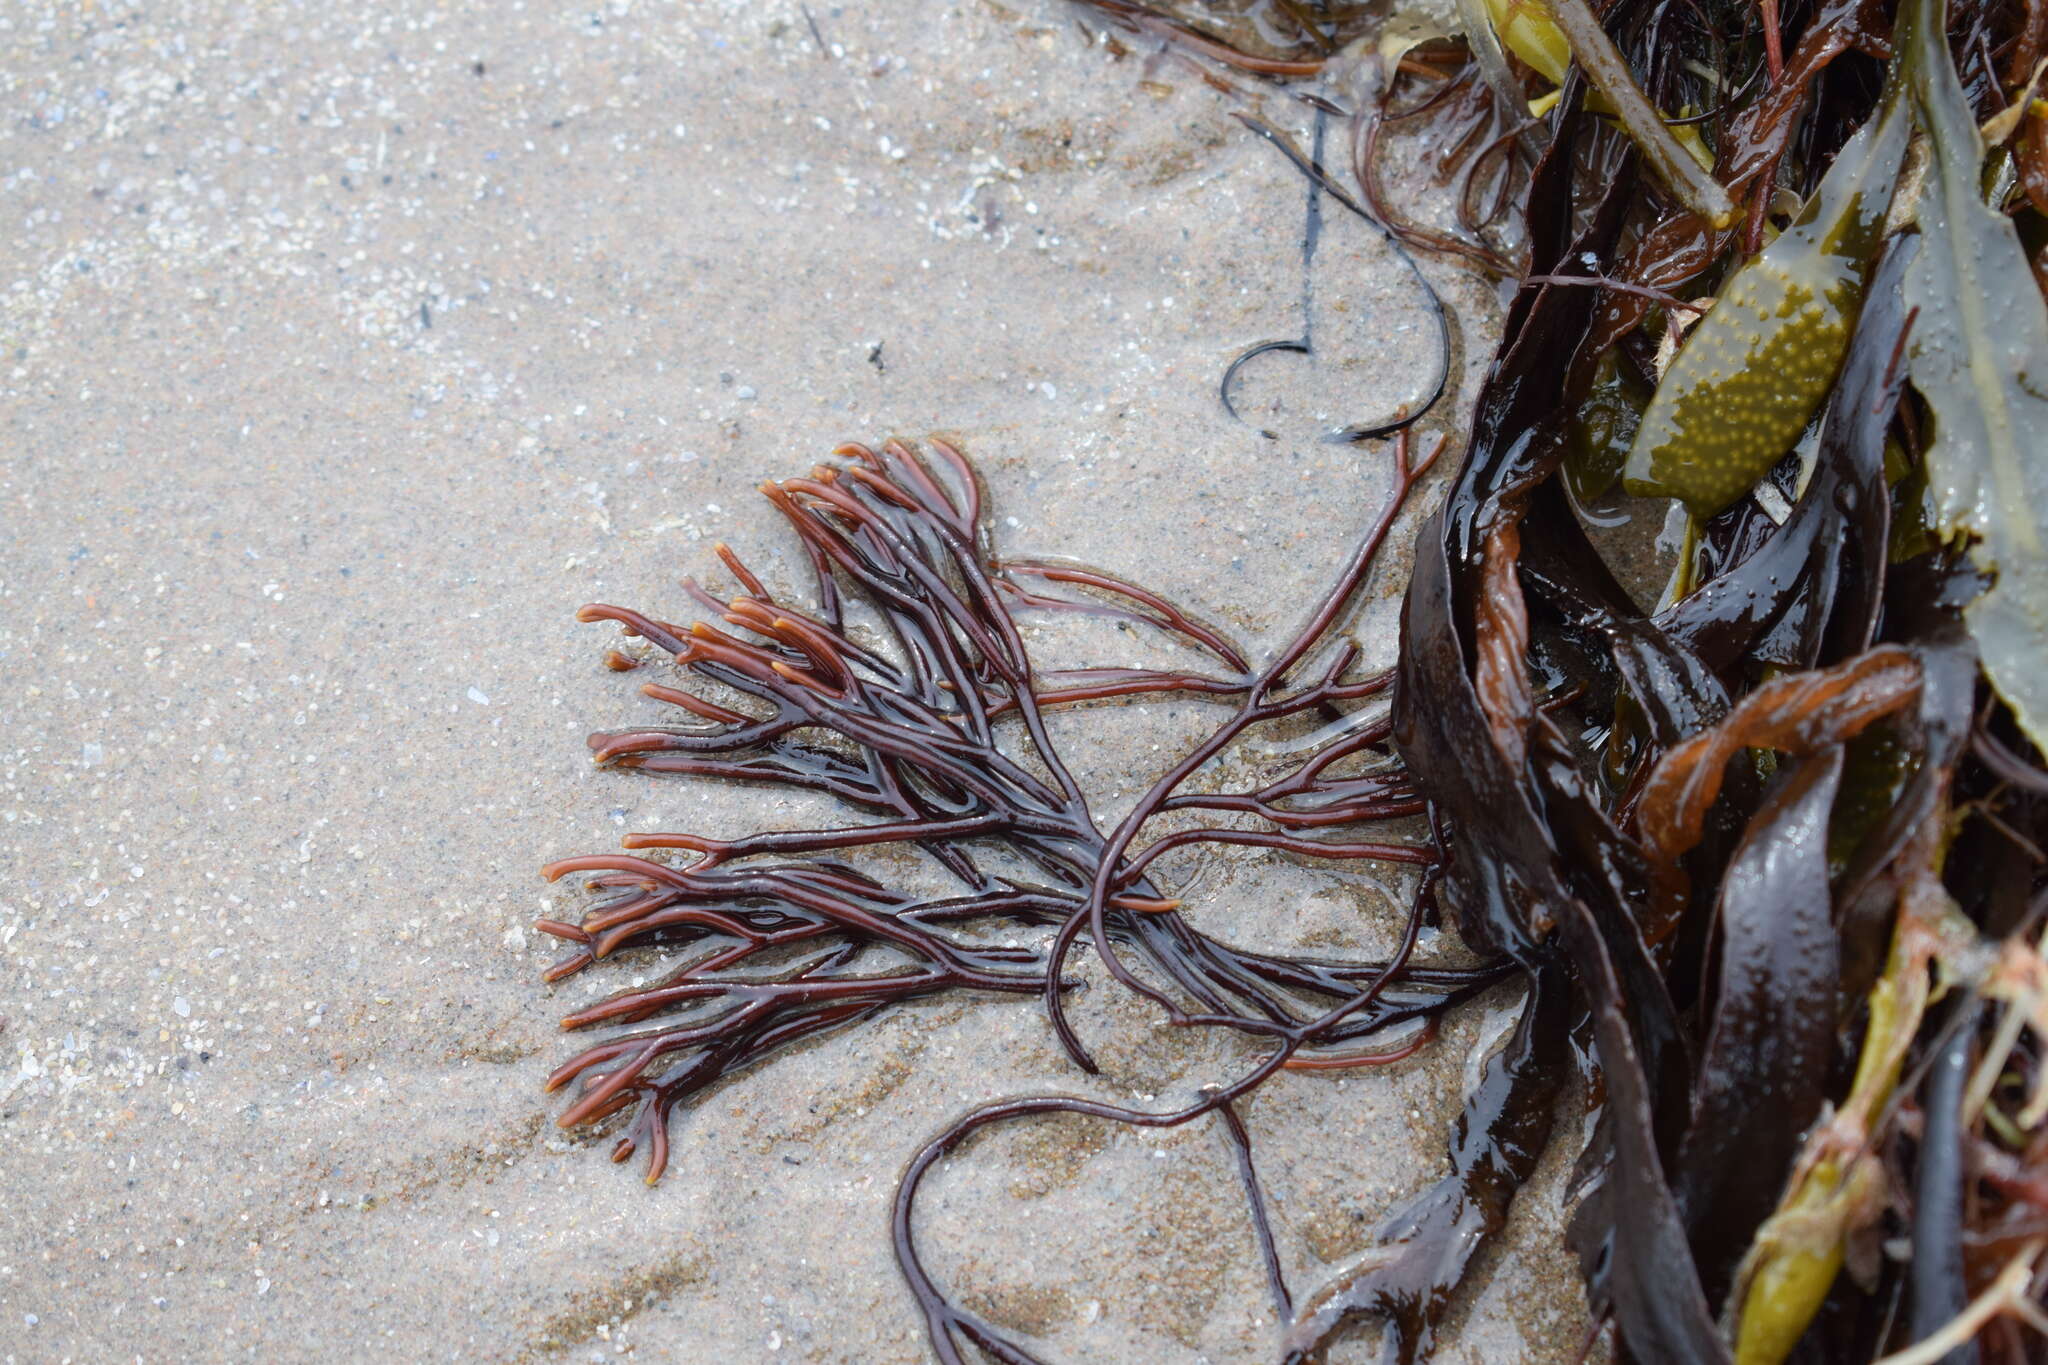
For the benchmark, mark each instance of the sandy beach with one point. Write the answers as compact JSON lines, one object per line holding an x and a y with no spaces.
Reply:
{"x":341,"y":359}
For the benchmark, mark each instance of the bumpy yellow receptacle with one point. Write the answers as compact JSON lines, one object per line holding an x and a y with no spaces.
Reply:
{"x":1753,"y":372}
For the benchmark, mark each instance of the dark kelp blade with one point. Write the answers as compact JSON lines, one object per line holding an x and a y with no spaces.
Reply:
{"x":1651,"y":1280}
{"x":1442,"y":731}
{"x":1536,"y":867}
{"x":1979,"y":357}
{"x":1924,"y":605}
{"x":1839,"y":1186}
{"x":1764,"y":1071}
{"x":1407,"y":1277}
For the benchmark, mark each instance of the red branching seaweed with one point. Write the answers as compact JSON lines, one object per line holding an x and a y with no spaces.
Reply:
{"x":927,"y":720}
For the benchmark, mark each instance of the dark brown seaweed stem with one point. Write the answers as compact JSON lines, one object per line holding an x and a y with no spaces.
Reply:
{"x":1386,"y":1056}
{"x":1608,"y":70}
{"x":1939,"y":1291}
{"x":1313,"y":798}
{"x":1099,"y":684}
{"x":1451,"y":88}
{"x":1255,"y":1203}
{"x":1334,"y":812}
{"x":1289,"y":843}
{"x":1256,"y":708}
{"x":716,"y":851}
{"x":1643,"y":291}
{"x":1144,"y":19}
{"x":1411,"y":934}
{"x":1506,"y":149}
{"x":946,"y":1323}
{"x":1774,"y":41}
{"x":2007,"y":765}
{"x":1308,"y":25}
{"x":1365,"y":161}
{"x":1158,"y":612}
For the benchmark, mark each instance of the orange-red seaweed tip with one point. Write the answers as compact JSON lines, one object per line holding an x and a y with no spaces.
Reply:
{"x":1339,"y":1061}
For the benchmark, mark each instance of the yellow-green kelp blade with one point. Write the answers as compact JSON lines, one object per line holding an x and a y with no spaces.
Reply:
{"x":1979,"y":356}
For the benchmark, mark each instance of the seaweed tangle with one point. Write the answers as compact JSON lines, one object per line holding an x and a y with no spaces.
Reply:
{"x":1765,"y":857}
{"x":902,"y":689}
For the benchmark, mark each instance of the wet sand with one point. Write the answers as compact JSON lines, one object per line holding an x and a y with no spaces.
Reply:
{"x":343,"y":358}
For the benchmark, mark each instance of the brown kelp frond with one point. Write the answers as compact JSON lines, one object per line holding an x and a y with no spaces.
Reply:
{"x":1799,"y":714}
{"x":1406,"y":1278}
{"x":1755,"y":835}
{"x":903,"y":689}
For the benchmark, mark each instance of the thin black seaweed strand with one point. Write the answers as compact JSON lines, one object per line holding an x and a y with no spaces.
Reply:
{"x":1311,"y":169}
{"x":1305,"y":345}
{"x":946,"y":1321}
{"x":1255,"y":1202}
{"x":1238,"y":362}
{"x":1259,"y":706}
